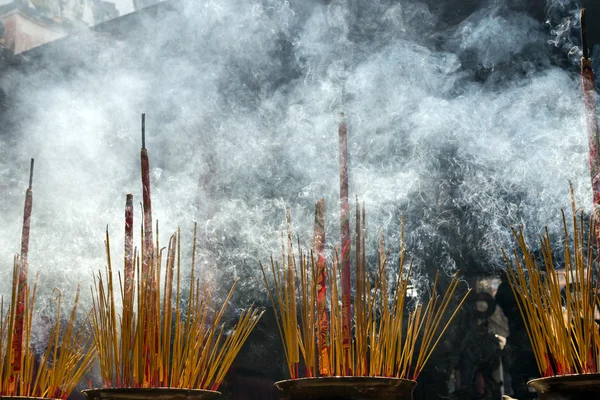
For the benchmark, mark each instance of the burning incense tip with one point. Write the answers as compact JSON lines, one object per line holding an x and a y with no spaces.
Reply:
{"x":584,"y":42}
{"x":143,"y":130}
{"x":31,"y":174}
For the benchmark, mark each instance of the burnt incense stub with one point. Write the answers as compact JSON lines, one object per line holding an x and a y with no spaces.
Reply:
{"x":346,"y":388}
{"x":150,"y":394}
{"x":567,"y":387}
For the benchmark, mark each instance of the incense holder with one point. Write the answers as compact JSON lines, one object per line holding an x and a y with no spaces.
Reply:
{"x":150,"y":394}
{"x":346,"y":388}
{"x":567,"y":387}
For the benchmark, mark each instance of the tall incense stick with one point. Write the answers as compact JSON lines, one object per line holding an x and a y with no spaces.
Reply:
{"x":147,"y":198}
{"x":322,"y":320}
{"x":22,"y":286}
{"x":129,"y":289}
{"x":148,"y":266}
{"x":591,"y":121}
{"x":345,"y":238}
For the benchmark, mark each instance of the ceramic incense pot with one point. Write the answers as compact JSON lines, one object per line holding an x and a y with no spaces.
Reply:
{"x":150,"y":394}
{"x":346,"y":388}
{"x":567,"y":387}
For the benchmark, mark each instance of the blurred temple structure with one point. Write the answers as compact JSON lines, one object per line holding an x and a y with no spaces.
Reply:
{"x":26,"y":24}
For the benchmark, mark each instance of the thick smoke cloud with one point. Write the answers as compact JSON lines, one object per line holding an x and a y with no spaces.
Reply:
{"x":466,"y":128}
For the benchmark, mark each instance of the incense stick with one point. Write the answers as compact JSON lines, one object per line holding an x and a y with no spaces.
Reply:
{"x":23,"y":268}
{"x":591,"y":120}
{"x":345,"y":240}
{"x":321,"y":288}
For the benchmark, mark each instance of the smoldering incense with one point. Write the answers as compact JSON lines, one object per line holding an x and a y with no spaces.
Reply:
{"x":386,"y":347}
{"x":589,"y":98}
{"x":128,"y":303}
{"x":147,"y":198}
{"x":322,"y":320}
{"x":345,"y":239}
{"x":148,"y":273}
{"x":182,"y":348}
{"x":561,"y":324}
{"x":69,"y":353}
{"x":23,"y":270}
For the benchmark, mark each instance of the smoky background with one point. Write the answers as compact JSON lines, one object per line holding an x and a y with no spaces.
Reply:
{"x":465,"y":118}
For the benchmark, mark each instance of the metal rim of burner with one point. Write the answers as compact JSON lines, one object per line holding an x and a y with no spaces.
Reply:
{"x":567,"y":387}
{"x":346,"y":388}
{"x":158,"y":393}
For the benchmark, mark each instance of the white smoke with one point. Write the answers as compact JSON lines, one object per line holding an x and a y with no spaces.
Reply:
{"x":465,"y":129}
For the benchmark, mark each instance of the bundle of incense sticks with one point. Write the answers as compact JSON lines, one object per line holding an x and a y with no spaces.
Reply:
{"x":560,"y":307}
{"x":389,"y":340}
{"x":69,"y":352}
{"x":155,"y":341}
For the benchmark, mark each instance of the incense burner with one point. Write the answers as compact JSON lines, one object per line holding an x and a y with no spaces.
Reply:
{"x":567,"y":387}
{"x":346,"y":388}
{"x":150,"y":394}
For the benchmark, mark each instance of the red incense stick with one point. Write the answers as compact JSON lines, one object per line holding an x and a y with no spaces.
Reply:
{"x":147,"y":200}
{"x":345,"y":242}
{"x":17,"y":344}
{"x":128,"y":267}
{"x":129,"y":276}
{"x":148,"y":267}
{"x":591,"y":121}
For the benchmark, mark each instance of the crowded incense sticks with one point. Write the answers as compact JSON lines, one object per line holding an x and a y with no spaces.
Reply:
{"x":69,"y":352}
{"x":388,"y":341}
{"x":345,"y":238}
{"x":156,"y":341}
{"x":559,"y":307}
{"x":191,"y":349}
{"x":68,"y":356}
{"x":591,"y":120}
